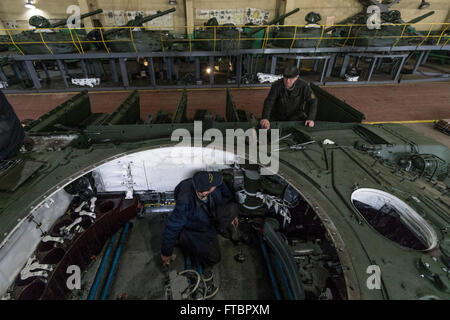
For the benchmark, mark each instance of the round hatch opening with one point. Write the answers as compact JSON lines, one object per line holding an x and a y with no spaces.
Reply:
{"x":394,"y":219}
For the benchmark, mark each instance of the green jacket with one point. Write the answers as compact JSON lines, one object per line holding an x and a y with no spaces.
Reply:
{"x":282,"y":104}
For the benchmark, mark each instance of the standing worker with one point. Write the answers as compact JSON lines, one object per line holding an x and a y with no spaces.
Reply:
{"x":11,"y":130}
{"x":289,"y":99}
{"x":204,"y":207}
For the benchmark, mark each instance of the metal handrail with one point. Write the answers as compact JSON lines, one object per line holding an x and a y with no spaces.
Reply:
{"x":240,"y":36}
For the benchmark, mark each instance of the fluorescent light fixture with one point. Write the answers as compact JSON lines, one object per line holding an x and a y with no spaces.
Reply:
{"x":30,"y":5}
{"x":173,"y":2}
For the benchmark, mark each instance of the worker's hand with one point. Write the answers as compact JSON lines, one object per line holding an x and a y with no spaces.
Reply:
{"x":265,"y":124}
{"x":235,"y":222}
{"x":309,"y":123}
{"x":166,"y":260}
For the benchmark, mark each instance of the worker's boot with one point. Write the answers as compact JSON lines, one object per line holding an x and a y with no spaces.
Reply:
{"x":207,"y":274}
{"x":212,"y":286}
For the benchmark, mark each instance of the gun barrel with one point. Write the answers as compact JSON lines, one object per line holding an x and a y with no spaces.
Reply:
{"x":138,"y":22}
{"x":274,"y":21}
{"x":420,"y":18}
{"x":157,"y":15}
{"x":83,"y":16}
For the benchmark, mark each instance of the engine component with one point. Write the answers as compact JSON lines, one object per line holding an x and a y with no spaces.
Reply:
{"x":157,"y":202}
{"x":34,"y":269}
{"x":311,"y":263}
{"x":279,"y":206}
{"x":68,"y":229}
{"x":73,"y":240}
{"x":251,"y":188}
{"x":78,"y":185}
{"x":429,"y":166}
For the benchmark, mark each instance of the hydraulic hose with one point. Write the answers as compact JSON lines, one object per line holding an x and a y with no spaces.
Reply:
{"x":113,"y":268}
{"x":101,"y":269}
{"x":269,"y":268}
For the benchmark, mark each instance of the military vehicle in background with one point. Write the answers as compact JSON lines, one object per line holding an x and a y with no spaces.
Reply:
{"x":133,"y":37}
{"x":389,"y":33}
{"x":46,"y":40}
{"x":309,"y":36}
{"x":229,"y":37}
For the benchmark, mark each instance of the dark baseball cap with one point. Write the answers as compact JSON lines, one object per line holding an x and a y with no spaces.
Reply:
{"x":204,"y":180}
{"x":291,"y":72}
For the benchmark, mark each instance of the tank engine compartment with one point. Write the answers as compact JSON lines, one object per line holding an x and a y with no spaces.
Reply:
{"x":111,"y":230}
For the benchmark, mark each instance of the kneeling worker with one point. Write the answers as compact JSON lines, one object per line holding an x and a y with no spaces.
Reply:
{"x":289,"y":99}
{"x":204,"y":206}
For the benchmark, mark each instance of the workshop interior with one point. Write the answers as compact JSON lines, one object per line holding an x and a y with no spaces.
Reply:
{"x":354,"y":206}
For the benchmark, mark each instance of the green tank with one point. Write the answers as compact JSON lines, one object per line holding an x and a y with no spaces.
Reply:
{"x":139,"y":39}
{"x":388,"y":35}
{"x":353,"y":211}
{"x":50,"y":41}
{"x":229,"y":37}
{"x":308,"y":36}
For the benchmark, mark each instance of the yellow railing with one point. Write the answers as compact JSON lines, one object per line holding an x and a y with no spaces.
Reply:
{"x":215,"y":37}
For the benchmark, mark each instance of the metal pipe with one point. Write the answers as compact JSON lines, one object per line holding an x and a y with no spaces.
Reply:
{"x":83,"y":16}
{"x":101,"y":269}
{"x":269,"y":268}
{"x":137,"y":22}
{"x":112,"y":270}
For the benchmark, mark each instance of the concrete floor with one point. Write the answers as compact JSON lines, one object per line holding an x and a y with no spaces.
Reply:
{"x":416,"y":101}
{"x":139,"y":274}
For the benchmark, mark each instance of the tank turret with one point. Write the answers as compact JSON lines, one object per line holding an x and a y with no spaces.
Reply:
{"x":58,"y":42}
{"x":41,"y":22}
{"x":143,"y":40}
{"x":138,"y":21}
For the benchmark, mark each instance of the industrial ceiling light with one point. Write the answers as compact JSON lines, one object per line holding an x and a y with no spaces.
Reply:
{"x":30,"y":5}
{"x":173,"y":2}
{"x":424,"y":5}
